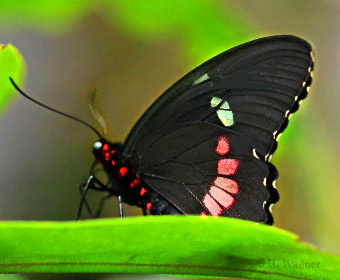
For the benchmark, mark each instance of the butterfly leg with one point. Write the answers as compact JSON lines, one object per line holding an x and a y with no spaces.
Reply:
{"x":144,"y":211}
{"x":82,"y":200}
{"x":103,"y":187}
{"x":81,"y":186}
{"x":95,"y":184}
{"x":120,"y":200}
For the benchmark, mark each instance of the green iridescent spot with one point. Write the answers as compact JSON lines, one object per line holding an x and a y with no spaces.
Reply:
{"x":224,"y":114}
{"x":201,"y":79}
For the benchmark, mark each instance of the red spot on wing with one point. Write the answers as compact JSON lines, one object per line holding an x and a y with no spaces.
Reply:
{"x":223,"y":198}
{"x":227,"y":184}
{"x":148,"y":206}
{"x":113,"y":162}
{"x":214,"y":209}
{"x":123,"y":171}
{"x":227,"y":166}
{"x":222,"y":147}
{"x":143,"y":191}
{"x":134,"y":183}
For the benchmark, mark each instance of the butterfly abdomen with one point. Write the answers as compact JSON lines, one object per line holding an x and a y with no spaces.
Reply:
{"x":158,"y":205}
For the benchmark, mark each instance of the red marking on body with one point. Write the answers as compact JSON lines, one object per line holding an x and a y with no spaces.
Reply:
{"x":113,"y":162}
{"x":148,"y":206}
{"x":105,"y":152}
{"x":223,"y":198}
{"x":105,"y":148}
{"x":134,"y":183}
{"x":123,"y":171}
{"x":143,"y":191}
{"x":222,"y":147}
{"x":227,"y":184}
{"x":227,"y":166}
{"x":214,"y":209}
{"x":112,"y":152}
{"x":107,"y":156}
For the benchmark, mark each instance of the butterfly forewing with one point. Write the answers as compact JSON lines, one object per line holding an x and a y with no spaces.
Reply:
{"x":251,"y":88}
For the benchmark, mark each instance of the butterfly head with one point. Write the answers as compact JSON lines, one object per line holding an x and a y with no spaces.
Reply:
{"x":105,"y":152}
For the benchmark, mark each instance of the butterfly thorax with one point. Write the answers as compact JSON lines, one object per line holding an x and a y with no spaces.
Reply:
{"x":126,"y":183}
{"x":123,"y":179}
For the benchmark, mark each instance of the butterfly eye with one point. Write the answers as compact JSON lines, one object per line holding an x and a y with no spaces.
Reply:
{"x":97,"y":149}
{"x":97,"y":146}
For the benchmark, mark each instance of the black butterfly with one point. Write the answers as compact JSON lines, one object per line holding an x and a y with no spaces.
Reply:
{"x":204,"y":146}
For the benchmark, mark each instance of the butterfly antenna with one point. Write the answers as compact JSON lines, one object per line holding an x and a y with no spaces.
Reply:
{"x":95,"y":113}
{"x":55,"y":110}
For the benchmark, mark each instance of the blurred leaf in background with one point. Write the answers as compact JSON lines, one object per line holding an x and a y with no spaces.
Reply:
{"x":50,"y":17}
{"x":198,"y":26}
{"x":12,"y":65}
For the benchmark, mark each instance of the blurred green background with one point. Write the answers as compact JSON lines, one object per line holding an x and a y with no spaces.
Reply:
{"x":134,"y":50}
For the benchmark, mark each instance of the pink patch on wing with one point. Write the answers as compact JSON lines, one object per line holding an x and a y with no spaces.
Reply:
{"x":214,"y":209}
{"x":227,"y":166}
{"x":222,"y":147}
{"x":225,"y":199}
{"x":220,"y":196}
{"x":227,"y":184}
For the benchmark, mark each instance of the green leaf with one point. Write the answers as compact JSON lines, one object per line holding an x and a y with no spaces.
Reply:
{"x":12,"y":65}
{"x":181,"y":245}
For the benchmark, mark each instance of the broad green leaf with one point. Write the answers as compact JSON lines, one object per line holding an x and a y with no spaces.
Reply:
{"x":180,"y":245}
{"x":12,"y":65}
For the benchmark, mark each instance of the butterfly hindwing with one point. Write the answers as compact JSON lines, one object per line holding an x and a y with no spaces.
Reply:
{"x":251,"y":88}
{"x":202,"y":168}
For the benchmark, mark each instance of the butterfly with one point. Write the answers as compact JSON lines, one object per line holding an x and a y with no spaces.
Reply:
{"x":204,"y":147}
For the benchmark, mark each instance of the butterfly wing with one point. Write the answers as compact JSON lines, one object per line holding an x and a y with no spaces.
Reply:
{"x":202,"y":168}
{"x":251,"y":88}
